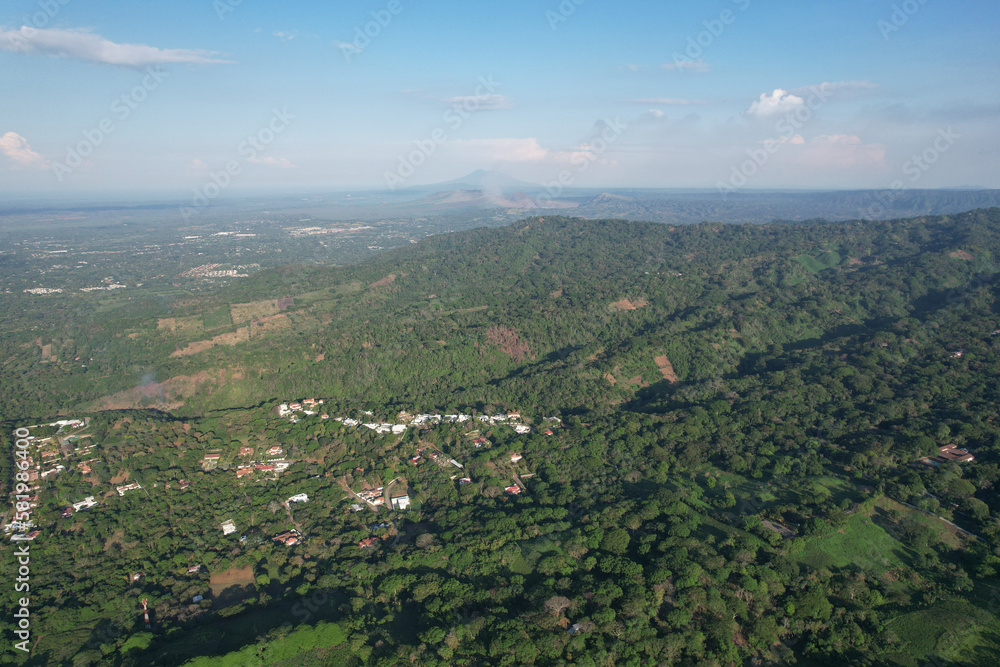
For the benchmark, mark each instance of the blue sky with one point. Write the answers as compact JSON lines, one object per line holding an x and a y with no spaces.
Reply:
{"x":727,"y":93}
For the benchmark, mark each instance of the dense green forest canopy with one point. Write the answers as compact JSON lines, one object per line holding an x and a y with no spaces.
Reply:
{"x":734,"y":473}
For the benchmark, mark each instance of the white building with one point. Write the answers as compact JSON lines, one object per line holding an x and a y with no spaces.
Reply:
{"x":86,"y":503}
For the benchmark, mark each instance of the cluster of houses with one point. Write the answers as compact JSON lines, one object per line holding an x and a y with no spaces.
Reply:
{"x":41,"y":456}
{"x":373,"y":497}
{"x":427,"y":420}
{"x":307,"y":406}
{"x":424,"y":420}
{"x":272,"y":465}
{"x":376,"y":498}
{"x":275,"y":467}
{"x":48,"y":457}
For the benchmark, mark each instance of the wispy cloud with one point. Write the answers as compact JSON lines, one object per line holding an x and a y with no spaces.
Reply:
{"x":279,"y":162}
{"x":16,"y":147}
{"x":483,"y":102}
{"x":668,"y":101}
{"x":85,"y":45}
{"x":838,"y":88}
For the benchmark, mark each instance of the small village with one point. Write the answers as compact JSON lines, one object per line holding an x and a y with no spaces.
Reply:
{"x":71,"y":446}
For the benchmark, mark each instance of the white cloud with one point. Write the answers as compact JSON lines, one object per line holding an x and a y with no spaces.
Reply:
{"x":90,"y":47}
{"x":687,"y":65}
{"x":280,"y":163}
{"x":197,"y":165}
{"x":482,"y":102}
{"x":16,"y":147}
{"x":286,"y":36}
{"x":780,"y":101}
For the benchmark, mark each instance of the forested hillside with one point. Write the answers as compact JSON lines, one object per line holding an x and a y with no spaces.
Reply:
{"x":742,"y":460}
{"x":564,"y":313}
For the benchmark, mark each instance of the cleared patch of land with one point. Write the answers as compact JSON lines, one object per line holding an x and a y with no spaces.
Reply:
{"x":242,"y":313}
{"x":629,"y":304}
{"x":782,"y":530}
{"x":168,"y":395}
{"x":182,"y":326}
{"x":233,"y":585}
{"x":257,"y":327}
{"x":666,"y":369}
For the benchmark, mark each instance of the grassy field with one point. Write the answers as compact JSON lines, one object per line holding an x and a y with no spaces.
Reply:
{"x":860,"y":543}
{"x":217,"y":318}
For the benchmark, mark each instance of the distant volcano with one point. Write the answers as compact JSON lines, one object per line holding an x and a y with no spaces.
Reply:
{"x":490,"y":183}
{"x":466,"y":198}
